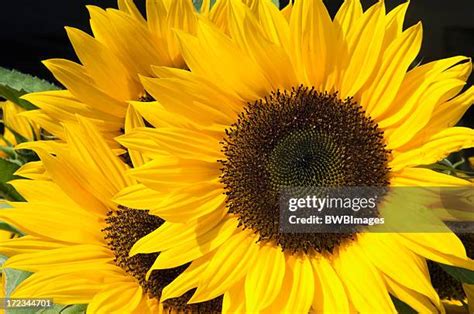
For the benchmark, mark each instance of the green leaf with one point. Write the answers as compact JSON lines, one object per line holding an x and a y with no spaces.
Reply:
{"x":13,"y":278}
{"x":3,"y":259}
{"x":14,"y":96}
{"x":7,"y":170}
{"x":198,"y":4}
{"x":277,"y":3}
{"x":402,"y":307}
{"x":14,"y":84}
{"x":20,"y":81}
{"x":9,"y":193}
{"x":73,"y":309}
{"x":460,"y":274}
{"x":6,"y":227}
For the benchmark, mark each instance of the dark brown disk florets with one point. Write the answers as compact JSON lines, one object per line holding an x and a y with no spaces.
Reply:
{"x":447,"y":286}
{"x":298,"y":138}
{"x":125,"y":227}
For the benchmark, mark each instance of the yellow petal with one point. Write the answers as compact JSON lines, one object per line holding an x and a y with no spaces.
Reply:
{"x":364,"y":41}
{"x":144,"y":52}
{"x":434,"y":148}
{"x":329,"y":293}
{"x":63,"y":287}
{"x":187,"y":280}
{"x":50,"y":124}
{"x":183,"y":253}
{"x":229,"y":264}
{"x":166,"y":172}
{"x":264,"y":279}
{"x":119,"y":298}
{"x":449,"y":113}
{"x":274,"y":24}
{"x":410,"y":271}
{"x":445,"y":248}
{"x":183,"y":143}
{"x":426,"y":177}
{"x":191,"y":98}
{"x":347,"y":15}
{"x":32,"y":170}
{"x":302,"y":286}
{"x":71,"y":182}
{"x":181,"y":16}
{"x":383,"y":87}
{"x":436,"y":94}
{"x":55,"y":222}
{"x":43,"y":191}
{"x":109,"y":170}
{"x":418,"y":302}
{"x":184,"y":206}
{"x":297,"y":291}
{"x":234,"y":299}
{"x":318,"y":43}
{"x":134,"y":120}
{"x":74,"y":77}
{"x":27,"y":244}
{"x":130,"y":7}
{"x":138,"y":196}
{"x":212,"y":51}
{"x":416,"y":83}
{"x":362,"y":277}
{"x":395,"y":21}
{"x":169,"y":235}
{"x":72,"y":258}
{"x":103,"y":66}
{"x":272,"y":59}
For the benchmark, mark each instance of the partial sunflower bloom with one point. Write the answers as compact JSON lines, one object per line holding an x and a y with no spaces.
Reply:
{"x":78,"y":239}
{"x":124,"y":46}
{"x":295,"y":98}
{"x":457,"y":297}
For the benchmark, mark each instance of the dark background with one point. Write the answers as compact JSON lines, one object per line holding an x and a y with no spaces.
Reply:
{"x":32,"y":30}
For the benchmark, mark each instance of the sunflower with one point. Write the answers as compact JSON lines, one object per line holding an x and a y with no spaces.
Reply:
{"x":124,"y":45}
{"x":296,"y":98}
{"x":457,"y":297}
{"x":78,"y":239}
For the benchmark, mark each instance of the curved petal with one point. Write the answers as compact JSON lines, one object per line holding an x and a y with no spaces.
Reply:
{"x":264,"y":279}
{"x":445,"y":248}
{"x":183,"y":253}
{"x":416,"y":301}
{"x":426,"y":177}
{"x":360,"y":276}
{"x":72,"y":258}
{"x":434,"y":148}
{"x":410,"y":271}
{"x":329,"y":292}
{"x":229,"y":264}
{"x":234,"y":299}
{"x":123,"y":297}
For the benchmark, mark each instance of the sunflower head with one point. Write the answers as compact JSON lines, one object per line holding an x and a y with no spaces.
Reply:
{"x":298,"y":138}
